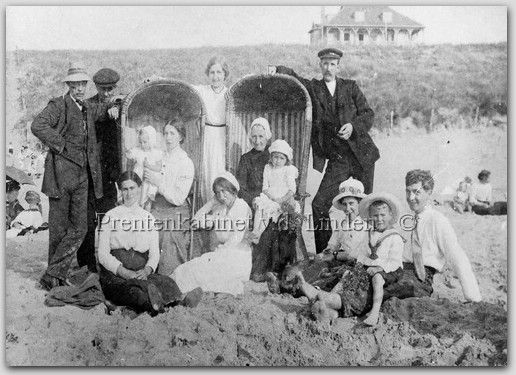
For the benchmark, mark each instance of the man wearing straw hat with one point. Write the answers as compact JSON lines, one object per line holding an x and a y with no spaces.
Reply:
{"x":105,"y":80}
{"x":66,"y":127}
{"x":342,"y":119}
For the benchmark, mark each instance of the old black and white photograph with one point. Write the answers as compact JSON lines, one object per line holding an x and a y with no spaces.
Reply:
{"x":232,"y":185}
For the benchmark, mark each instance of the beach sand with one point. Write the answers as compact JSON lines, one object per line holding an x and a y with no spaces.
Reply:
{"x":263,"y":329}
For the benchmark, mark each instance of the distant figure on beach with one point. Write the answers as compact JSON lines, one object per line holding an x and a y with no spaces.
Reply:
{"x":481,"y":197}
{"x":460,"y":202}
{"x":13,"y":207}
{"x":29,"y":219}
{"x":342,"y":119}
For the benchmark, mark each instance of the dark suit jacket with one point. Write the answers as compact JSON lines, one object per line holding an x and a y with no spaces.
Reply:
{"x":108,"y":137}
{"x":352,"y":107}
{"x":53,"y":128}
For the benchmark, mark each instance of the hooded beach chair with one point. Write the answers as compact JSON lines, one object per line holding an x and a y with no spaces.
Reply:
{"x":155,"y":103}
{"x":286,"y":104}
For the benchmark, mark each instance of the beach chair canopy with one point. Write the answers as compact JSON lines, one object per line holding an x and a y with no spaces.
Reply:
{"x":157,"y":102}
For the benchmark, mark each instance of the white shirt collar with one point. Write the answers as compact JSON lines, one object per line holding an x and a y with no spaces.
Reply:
{"x":331,"y":86}
{"x":75,"y":100}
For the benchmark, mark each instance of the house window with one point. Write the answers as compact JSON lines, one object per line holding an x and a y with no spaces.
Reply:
{"x":346,"y":37}
{"x":387,"y":17}
{"x":359,"y":16}
{"x":360,"y":37}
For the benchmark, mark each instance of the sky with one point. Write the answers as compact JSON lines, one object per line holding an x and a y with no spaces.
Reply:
{"x":143,"y":27}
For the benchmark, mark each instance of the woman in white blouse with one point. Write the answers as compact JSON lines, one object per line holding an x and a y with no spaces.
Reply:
{"x":170,"y":207}
{"x":214,"y":146}
{"x":129,"y":254}
{"x":228,"y":265}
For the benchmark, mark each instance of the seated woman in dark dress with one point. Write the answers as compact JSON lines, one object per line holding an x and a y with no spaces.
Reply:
{"x":129,"y":255}
{"x":250,"y":168}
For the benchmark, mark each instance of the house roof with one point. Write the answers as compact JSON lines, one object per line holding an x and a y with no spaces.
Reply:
{"x":372,"y":17}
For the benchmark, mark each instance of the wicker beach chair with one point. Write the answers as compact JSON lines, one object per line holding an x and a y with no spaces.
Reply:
{"x":155,"y":103}
{"x":286,"y":104}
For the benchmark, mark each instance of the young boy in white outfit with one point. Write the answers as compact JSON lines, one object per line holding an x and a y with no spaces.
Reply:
{"x":384,"y":255}
{"x":380,"y":259}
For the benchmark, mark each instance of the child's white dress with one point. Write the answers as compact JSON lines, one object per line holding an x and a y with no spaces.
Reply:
{"x":278,"y":182}
{"x":153,"y":156}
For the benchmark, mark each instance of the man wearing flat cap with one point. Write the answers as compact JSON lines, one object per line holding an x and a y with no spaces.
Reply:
{"x":66,"y":127}
{"x":106,"y":128}
{"x":342,"y":119}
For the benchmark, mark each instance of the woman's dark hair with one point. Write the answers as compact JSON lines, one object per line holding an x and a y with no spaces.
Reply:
{"x":484,"y":174}
{"x":225,"y":184}
{"x":217,"y":60}
{"x":12,"y":185}
{"x":129,"y":176}
{"x":179,"y":125}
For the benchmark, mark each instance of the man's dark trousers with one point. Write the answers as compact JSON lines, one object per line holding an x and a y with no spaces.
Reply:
{"x":67,"y":222}
{"x":337,"y":170}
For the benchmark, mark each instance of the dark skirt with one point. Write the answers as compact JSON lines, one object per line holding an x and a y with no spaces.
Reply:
{"x":173,"y":225}
{"x":498,"y":208}
{"x":133,"y":293}
{"x":275,"y":250}
{"x":356,"y":289}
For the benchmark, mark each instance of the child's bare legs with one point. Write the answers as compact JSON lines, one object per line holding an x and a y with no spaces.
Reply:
{"x":374,"y":314}
{"x":258,"y":226}
{"x":325,"y":306}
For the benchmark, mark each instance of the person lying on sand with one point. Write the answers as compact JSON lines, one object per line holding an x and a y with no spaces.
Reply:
{"x":379,"y":264}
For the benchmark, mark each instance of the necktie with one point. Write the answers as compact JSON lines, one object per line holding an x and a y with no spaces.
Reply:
{"x":417,"y":254}
{"x":84,"y":118}
{"x":373,"y":249}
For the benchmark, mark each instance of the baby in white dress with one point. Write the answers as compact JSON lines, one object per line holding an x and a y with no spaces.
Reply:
{"x":279,"y":186}
{"x":146,"y":152}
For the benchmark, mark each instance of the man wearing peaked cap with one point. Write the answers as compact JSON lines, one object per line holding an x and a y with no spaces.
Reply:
{"x":330,"y":53}
{"x":342,"y":119}
{"x":105,"y":81}
{"x":67,"y":127}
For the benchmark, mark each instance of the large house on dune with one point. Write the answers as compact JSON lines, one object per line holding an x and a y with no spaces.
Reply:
{"x":365,"y":25}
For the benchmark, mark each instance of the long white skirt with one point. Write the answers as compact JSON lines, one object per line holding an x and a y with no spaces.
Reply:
{"x":214,"y":157}
{"x":224,"y":271}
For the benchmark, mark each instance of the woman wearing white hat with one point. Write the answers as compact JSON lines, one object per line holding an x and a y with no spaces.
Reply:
{"x":279,"y":187}
{"x":228,"y":265}
{"x":350,"y":234}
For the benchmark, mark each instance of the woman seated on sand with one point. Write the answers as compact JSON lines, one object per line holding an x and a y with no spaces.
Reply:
{"x":129,"y":254}
{"x":228,"y":265}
